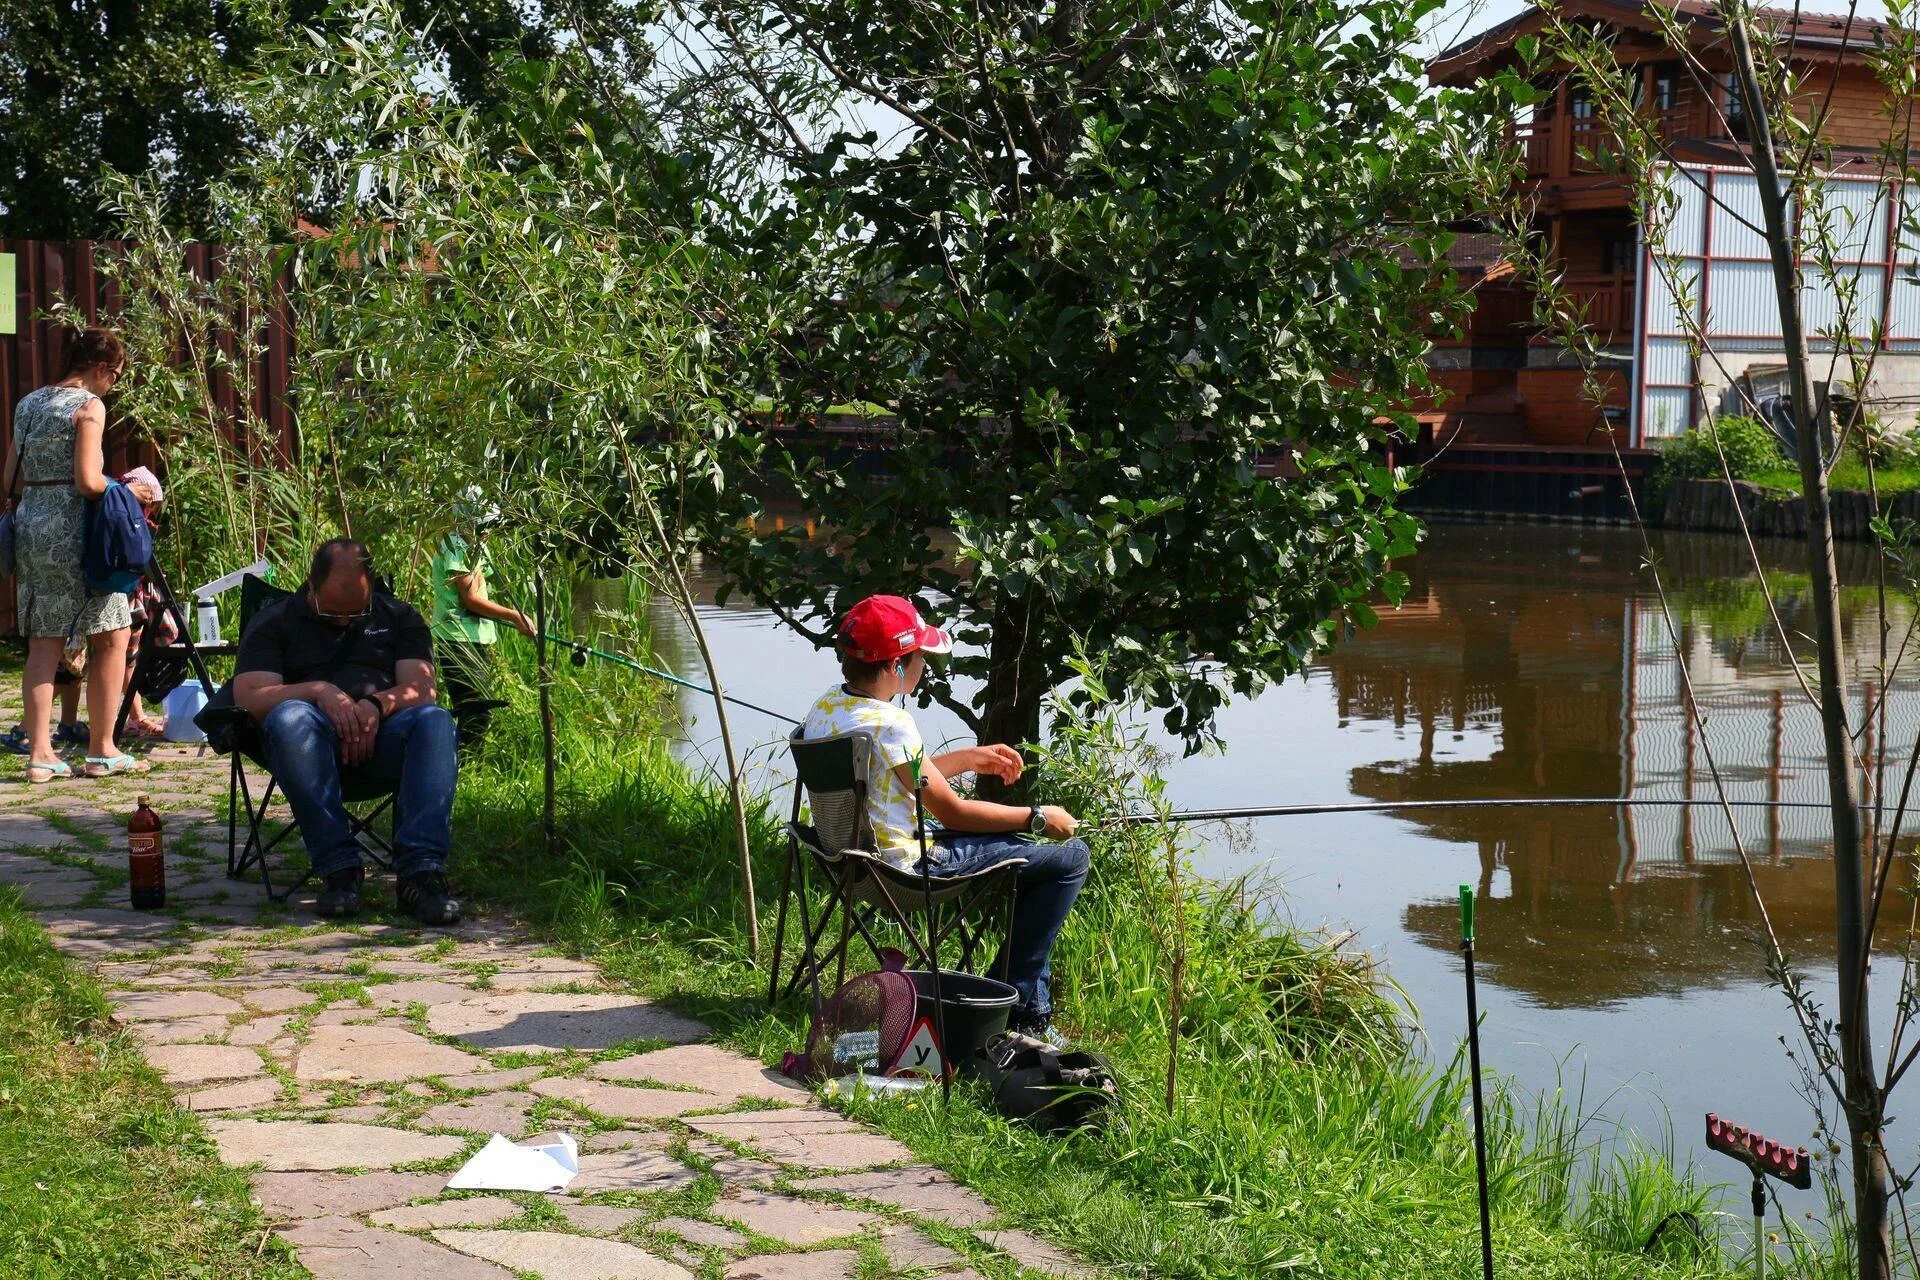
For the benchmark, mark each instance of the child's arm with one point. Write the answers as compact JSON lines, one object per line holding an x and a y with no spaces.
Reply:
{"x":959,"y":813}
{"x":471,"y":588}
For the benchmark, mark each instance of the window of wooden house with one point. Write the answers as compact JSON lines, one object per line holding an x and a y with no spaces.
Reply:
{"x":1580,"y":105}
{"x":1736,"y":109}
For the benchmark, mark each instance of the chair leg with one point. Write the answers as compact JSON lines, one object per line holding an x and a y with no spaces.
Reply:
{"x":234,"y":780}
{"x":780,"y":927}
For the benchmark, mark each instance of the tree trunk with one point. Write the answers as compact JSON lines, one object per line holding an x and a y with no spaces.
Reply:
{"x":1863,"y":1104}
{"x":1014,"y":692}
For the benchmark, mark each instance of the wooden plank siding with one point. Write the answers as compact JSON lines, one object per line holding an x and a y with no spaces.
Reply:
{"x":52,"y":272}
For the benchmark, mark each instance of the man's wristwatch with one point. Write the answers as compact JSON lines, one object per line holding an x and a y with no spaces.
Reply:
{"x":1036,"y":821}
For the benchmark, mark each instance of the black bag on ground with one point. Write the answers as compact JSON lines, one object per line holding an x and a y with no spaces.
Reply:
{"x":1053,"y":1089}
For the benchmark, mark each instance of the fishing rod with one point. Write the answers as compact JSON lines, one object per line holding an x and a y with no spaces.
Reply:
{"x":580,"y":650}
{"x":1387,"y":806}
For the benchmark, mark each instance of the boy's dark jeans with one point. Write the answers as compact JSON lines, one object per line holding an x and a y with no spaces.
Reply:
{"x":465,"y":669}
{"x":1046,"y":888}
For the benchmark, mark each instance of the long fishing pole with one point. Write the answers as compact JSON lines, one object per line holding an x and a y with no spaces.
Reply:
{"x":581,"y":650}
{"x":1389,"y":806}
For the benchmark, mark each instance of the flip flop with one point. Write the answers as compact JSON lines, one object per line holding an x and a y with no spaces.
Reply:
{"x":58,"y":769}
{"x":107,"y":766}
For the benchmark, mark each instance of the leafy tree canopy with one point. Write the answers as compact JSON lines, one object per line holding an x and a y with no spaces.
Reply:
{"x":148,"y":87}
{"x":1144,"y":285}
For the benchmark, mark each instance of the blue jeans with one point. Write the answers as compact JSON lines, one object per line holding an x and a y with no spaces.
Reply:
{"x":1044,"y":893}
{"x":413,"y":755}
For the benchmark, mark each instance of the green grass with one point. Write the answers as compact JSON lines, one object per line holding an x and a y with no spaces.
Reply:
{"x":100,"y":1174}
{"x":1307,"y":1139}
{"x":1850,"y":474}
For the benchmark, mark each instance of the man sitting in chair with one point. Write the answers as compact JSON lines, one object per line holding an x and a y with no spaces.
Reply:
{"x":339,"y":676}
{"x":883,"y":646}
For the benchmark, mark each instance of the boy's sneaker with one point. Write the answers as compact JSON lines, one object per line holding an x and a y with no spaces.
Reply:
{"x":341,"y":896}
{"x":424,"y":896}
{"x":70,"y":735}
{"x":1037,"y":1026}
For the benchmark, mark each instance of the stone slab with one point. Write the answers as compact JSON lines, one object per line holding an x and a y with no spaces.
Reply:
{"x":378,"y":1053}
{"x":181,"y":1030}
{"x":924,"y":1192}
{"x":910,"y":1250}
{"x":630,"y":1171}
{"x":398,"y":995}
{"x":553,"y":1255}
{"x":200,"y":1063}
{"x":143,"y":1006}
{"x":710,"y":1234}
{"x":833,"y":1264}
{"x":294,"y":1145}
{"x":504,"y":1113}
{"x":340,"y":1249}
{"x":481,"y":1211}
{"x":703,"y":1067}
{"x":533,"y":1022}
{"x":105,"y":922}
{"x":261,"y":1030}
{"x":278,"y":999}
{"x":493,"y":1079}
{"x":246,"y":1095}
{"x":313,"y":1195}
{"x":627,"y":1140}
{"x":599,"y":1219}
{"x":623,"y":1102}
{"x":832,"y":1150}
{"x":1031,"y":1251}
{"x":54,"y":890}
{"x":787,"y":1219}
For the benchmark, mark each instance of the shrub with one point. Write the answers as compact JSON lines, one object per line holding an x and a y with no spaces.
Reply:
{"x":1751,"y":449}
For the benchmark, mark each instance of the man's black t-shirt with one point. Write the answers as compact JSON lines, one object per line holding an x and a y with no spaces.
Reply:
{"x":286,"y":638}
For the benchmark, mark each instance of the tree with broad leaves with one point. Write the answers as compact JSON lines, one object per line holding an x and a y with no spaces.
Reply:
{"x":1138,"y":289}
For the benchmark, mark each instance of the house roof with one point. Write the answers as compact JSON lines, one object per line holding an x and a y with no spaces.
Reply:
{"x":1815,"y":35}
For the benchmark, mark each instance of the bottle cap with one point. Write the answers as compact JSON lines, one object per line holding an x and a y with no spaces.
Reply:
{"x":143,"y":802}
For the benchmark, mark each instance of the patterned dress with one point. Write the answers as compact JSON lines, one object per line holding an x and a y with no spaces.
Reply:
{"x":50,"y":524}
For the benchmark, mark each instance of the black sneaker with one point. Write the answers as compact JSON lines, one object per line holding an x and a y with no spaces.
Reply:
{"x":341,"y":897}
{"x":424,"y":896}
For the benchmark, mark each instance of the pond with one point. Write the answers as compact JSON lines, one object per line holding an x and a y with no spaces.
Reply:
{"x":1618,"y":947}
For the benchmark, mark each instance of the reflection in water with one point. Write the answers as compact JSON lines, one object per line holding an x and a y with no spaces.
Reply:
{"x":1581,"y":681}
{"x":1615,"y":945}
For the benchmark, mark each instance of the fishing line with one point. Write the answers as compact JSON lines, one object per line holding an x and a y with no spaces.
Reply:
{"x":1386,"y":806}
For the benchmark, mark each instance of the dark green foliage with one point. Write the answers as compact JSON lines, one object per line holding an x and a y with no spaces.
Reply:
{"x":1123,"y":257}
{"x":1751,"y":451}
{"x":150,"y":85}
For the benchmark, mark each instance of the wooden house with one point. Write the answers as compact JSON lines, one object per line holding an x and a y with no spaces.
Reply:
{"x":1511,"y":387}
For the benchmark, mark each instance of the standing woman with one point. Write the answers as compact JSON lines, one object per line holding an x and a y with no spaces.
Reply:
{"x":58,"y":434}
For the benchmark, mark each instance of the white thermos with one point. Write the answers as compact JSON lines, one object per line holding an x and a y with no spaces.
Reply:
{"x":209,"y":621}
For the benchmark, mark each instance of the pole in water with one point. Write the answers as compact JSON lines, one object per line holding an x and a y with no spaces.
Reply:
{"x":1479,"y":1102}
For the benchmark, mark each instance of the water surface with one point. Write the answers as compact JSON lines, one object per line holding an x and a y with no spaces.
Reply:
{"x":1618,"y":947}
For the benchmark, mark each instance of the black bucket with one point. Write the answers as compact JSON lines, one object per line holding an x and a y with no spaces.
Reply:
{"x":976,"y":1011}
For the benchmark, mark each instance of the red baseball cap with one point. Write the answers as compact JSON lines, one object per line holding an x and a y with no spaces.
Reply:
{"x":882,"y":628}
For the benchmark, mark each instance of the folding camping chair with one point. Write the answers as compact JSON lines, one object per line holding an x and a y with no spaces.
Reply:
{"x":861,"y":887}
{"x":245,"y":746}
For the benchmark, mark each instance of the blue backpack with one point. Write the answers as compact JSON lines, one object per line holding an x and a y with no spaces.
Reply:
{"x":119,"y":544}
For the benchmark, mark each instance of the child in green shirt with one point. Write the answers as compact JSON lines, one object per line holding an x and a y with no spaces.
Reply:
{"x":465,"y":626}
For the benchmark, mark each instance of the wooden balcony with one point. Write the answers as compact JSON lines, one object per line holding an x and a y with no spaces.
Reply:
{"x":1567,"y":146}
{"x":1606,"y":302}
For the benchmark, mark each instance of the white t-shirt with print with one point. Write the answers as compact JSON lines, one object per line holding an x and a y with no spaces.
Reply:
{"x":896,"y":741}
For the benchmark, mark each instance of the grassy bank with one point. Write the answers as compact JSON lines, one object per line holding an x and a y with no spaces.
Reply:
{"x":100,"y":1174}
{"x":1306,"y":1139}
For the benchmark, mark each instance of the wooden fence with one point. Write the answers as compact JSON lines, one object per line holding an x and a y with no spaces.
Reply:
{"x":34,"y":352}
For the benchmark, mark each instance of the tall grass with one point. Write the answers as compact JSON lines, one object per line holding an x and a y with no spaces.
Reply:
{"x":1308,"y":1137}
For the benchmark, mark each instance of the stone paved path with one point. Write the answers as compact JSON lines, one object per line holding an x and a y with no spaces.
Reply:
{"x":355,"y":1068}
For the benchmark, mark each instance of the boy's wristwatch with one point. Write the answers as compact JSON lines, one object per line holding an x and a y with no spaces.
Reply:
{"x":1036,"y":822}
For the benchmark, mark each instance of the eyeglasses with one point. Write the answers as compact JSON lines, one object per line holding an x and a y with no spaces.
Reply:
{"x":355,"y":616}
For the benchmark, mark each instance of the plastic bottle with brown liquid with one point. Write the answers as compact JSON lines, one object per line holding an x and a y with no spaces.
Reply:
{"x":146,"y":861}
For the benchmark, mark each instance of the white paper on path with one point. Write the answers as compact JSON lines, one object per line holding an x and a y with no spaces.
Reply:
{"x":502,"y":1165}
